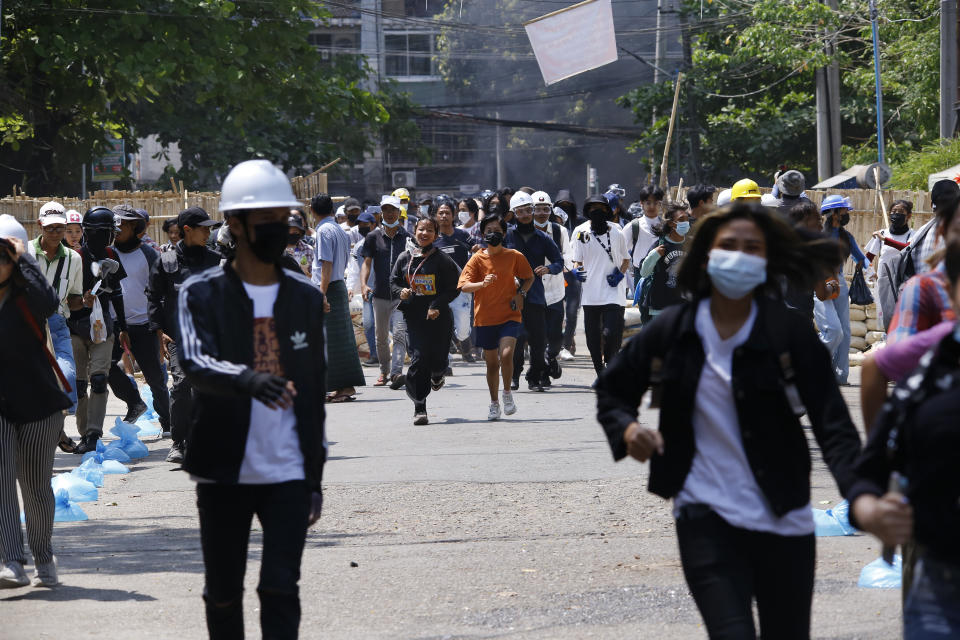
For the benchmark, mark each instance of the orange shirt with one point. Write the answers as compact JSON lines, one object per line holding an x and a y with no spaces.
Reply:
{"x":491,"y":305}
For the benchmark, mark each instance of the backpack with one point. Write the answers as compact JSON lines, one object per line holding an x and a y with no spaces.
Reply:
{"x":906,"y":267}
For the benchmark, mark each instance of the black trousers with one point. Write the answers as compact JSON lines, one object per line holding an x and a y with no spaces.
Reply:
{"x":554,"y":319}
{"x":428,"y":343}
{"x":727,"y":568}
{"x":571,"y":303}
{"x":226,"y":512}
{"x":182,"y":398}
{"x":603,"y":325}
{"x":145,"y":347}
{"x":534,"y":335}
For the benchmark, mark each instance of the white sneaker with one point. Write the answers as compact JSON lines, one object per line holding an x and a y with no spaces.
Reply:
{"x":494,"y":411}
{"x":46,"y":574}
{"x":12,"y":576}
{"x":565,"y":355}
{"x":509,"y":406}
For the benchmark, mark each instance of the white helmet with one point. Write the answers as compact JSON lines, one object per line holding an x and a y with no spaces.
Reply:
{"x":541,"y":197}
{"x":560,"y":213}
{"x":74,"y":217}
{"x":10,"y":228}
{"x":520,"y":199}
{"x":256,"y":184}
{"x":724,"y":197}
{"x":769,"y":200}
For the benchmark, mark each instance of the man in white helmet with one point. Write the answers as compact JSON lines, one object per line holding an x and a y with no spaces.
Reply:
{"x":544,"y":258}
{"x":252,"y":345}
{"x":554,"y":287}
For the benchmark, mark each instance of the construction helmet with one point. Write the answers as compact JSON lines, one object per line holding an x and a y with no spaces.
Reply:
{"x":617,"y":189}
{"x":745,"y":189}
{"x":542,"y":197}
{"x":74,"y":217}
{"x":256,"y":184}
{"x":835,"y":202}
{"x":723,"y":198}
{"x":403,"y":194}
{"x":520,"y":199}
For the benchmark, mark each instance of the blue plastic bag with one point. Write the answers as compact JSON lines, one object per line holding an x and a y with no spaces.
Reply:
{"x":879,"y":575}
{"x":128,"y":441}
{"x":114,"y":466}
{"x":148,"y":428}
{"x":78,"y":489}
{"x":66,"y":510}
{"x":833,"y":522}
{"x":114,"y":453}
{"x":91,"y":471}
{"x":146,"y":394}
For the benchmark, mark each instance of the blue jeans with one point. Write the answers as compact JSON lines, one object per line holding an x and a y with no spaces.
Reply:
{"x":461,"y":306}
{"x":370,"y":329}
{"x":63,"y":350}
{"x":833,"y":320}
{"x":932,"y":609}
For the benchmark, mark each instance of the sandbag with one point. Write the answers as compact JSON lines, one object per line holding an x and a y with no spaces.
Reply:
{"x":858,"y":343}
{"x":858,"y":315}
{"x":875,"y":336}
{"x":871,"y":311}
{"x":880,"y":575}
{"x":78,"y":489}
{"x":128,"y":441}
{"x":858,"y":329}
{"x":873,"y":324}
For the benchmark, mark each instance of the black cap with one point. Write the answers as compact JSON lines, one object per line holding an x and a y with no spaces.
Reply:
{"x":194,"y":217}
{"x":943,"y":190}
{"x":295,"y":221}
{"x":598,"y":200}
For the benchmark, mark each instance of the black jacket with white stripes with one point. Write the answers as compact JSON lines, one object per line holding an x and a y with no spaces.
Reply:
{"x":215,"y":318}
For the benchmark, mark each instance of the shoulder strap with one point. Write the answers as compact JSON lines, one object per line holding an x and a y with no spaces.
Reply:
{"x":32,"y":322}
{"x":785,"y":361}
{"x":56,"y":276}
{"x":634,"y":232}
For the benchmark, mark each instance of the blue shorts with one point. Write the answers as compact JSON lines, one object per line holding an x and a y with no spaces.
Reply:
{"x":489,"y":337}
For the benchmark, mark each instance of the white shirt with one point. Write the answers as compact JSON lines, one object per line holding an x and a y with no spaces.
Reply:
{"x":591,"y":251}
{"x":886,"y":255}
{"x":720,"y":475}
{"x":645,"y":238}
{"x":134,"y":286}
{"x":554,"y":287}
{"x":272,"y":452}
{"x":71,"y":276}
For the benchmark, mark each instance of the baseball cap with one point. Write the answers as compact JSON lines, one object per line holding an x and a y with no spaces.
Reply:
{"x":52,"y":213}
{"x":126,"y":212}
{"x":194,"y":217}
{"x":295,"y":221}
{"x":943,"y":190}
{"x":393,"y":201}
{"x":367,"y":217}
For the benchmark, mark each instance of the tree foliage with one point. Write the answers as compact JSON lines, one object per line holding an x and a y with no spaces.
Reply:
{"x":226,"y":80}
{"x":750,"y":88}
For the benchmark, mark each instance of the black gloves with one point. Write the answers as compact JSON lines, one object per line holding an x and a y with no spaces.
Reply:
{"x":265,"y":387}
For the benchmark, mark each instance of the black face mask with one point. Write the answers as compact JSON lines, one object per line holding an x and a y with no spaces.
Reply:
{"x":844,"y":219}
{"x":293,"y":239}
{"x":525,"y":229}
{"x":898,"y":223}
{"x":352,"y":218}
{"x":129,"y":245}
{"x":493,"y":238}
{"x":97,"y":241}
{"x":598,"y":220}
{"x":270,"y":241}
{"x":364,"y":230}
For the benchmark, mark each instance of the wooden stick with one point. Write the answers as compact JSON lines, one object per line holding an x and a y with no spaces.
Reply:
{"x":883,"y":205}
{"x":666,"y":146}
{"x":326,"y":166}
{"x":173,"y":185}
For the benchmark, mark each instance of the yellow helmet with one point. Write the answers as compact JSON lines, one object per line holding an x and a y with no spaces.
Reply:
{"x":745,"y":189}
{"x":403,"y":194}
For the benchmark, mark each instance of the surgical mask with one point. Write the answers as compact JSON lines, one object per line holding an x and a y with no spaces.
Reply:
{"x":464,"y":217}
{"x":736,"y":274}
{"x":493,"y":238}
{"x":364,"y":230}
{"x":542,"y":225}
{"x":392,"y":225}
{"x":683,"y":227}
{"x":270,"y":240}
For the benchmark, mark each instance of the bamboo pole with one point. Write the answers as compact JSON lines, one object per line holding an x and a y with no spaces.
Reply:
{"x":673,"y":118}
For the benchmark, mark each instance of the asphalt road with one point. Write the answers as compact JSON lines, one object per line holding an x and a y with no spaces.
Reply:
{"x":524,"y":528}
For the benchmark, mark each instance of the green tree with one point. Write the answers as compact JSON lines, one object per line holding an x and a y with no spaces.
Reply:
{"x":227,"y":81}
{"x":749,"y":89}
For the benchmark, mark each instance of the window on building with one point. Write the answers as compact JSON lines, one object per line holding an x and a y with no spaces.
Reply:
{"x":410,"y":54}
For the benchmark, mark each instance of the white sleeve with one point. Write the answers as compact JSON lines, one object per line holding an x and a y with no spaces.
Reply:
{"x":624,"y":250}
{"x":565,"y":248}
{"x":577,"y":251}
{"x":873,"y":246}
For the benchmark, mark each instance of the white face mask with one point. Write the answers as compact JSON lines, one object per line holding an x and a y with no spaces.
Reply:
{"x":424,"y":209}
{"x":541,"y":225}
{"x":464,"y":216}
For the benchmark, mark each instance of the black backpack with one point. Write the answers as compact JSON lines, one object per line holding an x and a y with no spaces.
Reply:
{"x":906,"y":266}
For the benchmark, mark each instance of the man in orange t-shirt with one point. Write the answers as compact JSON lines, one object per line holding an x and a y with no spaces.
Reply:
{"x":490,"y":275}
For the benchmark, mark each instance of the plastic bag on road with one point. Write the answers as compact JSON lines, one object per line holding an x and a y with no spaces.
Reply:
{"x":879,"y":575}
{"x":66,"y":510}
{"x":91,"y":471}
{"x":146,"y":394}
{"x":833,"y":522}
{"x":114,"y":453}
{"x":77,"y":488}
{"x":128,"y":441}
{"x":148,"y":428}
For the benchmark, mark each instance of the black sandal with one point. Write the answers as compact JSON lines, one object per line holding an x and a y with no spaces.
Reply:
{"x":66,"y":444}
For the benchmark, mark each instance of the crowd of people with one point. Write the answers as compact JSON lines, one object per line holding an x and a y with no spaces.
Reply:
{"x":243,"y":331}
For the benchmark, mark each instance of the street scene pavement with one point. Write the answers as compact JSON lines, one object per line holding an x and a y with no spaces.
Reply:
{"x":522,"y":528}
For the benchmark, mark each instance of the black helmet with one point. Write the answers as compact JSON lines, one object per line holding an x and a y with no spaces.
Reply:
{"x":99,"y":218}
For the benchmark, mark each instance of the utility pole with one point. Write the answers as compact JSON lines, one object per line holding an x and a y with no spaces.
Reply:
{"x":499,"y":153}
{"x":828,"y":113}
{"x":693,"y":124}
{"x":948,"y":67}
{"x":876,"y":73}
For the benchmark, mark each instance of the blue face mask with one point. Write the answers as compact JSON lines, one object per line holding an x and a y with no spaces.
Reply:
{"x":683,"y":227}
{"x":391,"y":225}
{"x":736,"y":274}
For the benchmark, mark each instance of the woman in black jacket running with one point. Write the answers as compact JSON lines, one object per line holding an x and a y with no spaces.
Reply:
{"x":426,"y":283}
{"x":733,"y":369}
